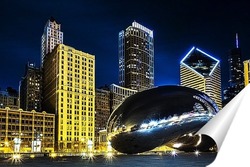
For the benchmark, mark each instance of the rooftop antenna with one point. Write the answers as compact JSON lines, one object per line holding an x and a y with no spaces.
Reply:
{"x":237,"y":41}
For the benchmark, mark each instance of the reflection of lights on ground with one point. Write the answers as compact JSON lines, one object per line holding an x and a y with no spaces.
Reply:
{"x":173,"y":153}
{"x":197,"y":153}
{"x":109,"y":157}
{"x":16,"y":159}
{"x":91,"y":157}
{"x":53,"y":155}
{"x":32,"y":156}
{"x":88,"y":156}
{"x":84,"y":155}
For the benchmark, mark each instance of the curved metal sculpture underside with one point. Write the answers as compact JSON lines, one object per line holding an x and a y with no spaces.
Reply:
{"x":157,"y":116}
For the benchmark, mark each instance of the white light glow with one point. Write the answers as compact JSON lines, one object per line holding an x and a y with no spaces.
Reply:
{"x":16,"y":158}
{"x":197,"y":153}
{"x":91,"y":156}
{"x":173,"y":153}
{"x":199,"y":141}
{"x":177,"y":145}
{"x":152,"y":123}
{"x":207,"y":55}
{"x":144,"y":126}
{"x":187,"y":54}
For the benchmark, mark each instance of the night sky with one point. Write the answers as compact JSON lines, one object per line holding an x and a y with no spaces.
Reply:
{"x":92,"y":26}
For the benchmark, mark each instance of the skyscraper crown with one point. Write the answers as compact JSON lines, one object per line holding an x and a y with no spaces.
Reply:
{"x":200,"y":62}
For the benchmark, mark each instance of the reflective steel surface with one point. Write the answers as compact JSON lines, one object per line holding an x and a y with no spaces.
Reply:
{"x":157,"y":116}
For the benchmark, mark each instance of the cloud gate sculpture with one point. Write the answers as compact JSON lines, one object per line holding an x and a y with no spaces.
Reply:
{"x":157,"y":116}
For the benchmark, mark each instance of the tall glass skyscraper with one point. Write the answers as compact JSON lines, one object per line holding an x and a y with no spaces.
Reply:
{"x":136,"y":57}
{"x":200,"y":71}
{"x":52,"y":36}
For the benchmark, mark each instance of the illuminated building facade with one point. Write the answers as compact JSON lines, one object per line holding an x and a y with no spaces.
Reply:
{"x":119,"y":94}
{"x":102,"y":111}
{"x":246,"y":72}
{"x":9,"y":98}
{"x":30,"y":89}
{"x":69,"y":92}
{"x":200,"y":71}
{"x":136,"y":57}
{"x":52,"y":36}
{"x":29,"y":126}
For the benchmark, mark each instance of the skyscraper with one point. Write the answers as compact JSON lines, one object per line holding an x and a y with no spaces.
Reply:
{"x":69,"y":92}
{"x":136,"y":57}
{"x":52,"y":36}
{"x":246,"y":72}
{"x":200,"y":71}
{"x":235,"y":67}
{"x":31,"y":89}
{"x":236,"y":78}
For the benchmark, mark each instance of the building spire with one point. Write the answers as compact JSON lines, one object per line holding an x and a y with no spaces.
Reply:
{"x":237,"y":41}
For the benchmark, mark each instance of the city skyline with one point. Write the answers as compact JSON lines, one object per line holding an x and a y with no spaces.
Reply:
{"x":94,"y":27}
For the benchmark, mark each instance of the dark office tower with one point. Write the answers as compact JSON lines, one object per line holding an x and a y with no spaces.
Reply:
{"x":235,"y":67}
{"x":136,"y":57}
{"x":236,"y":77}
{"x":52,"y":36}
{"x":102,"y":111}
{"x":30,"y":89}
